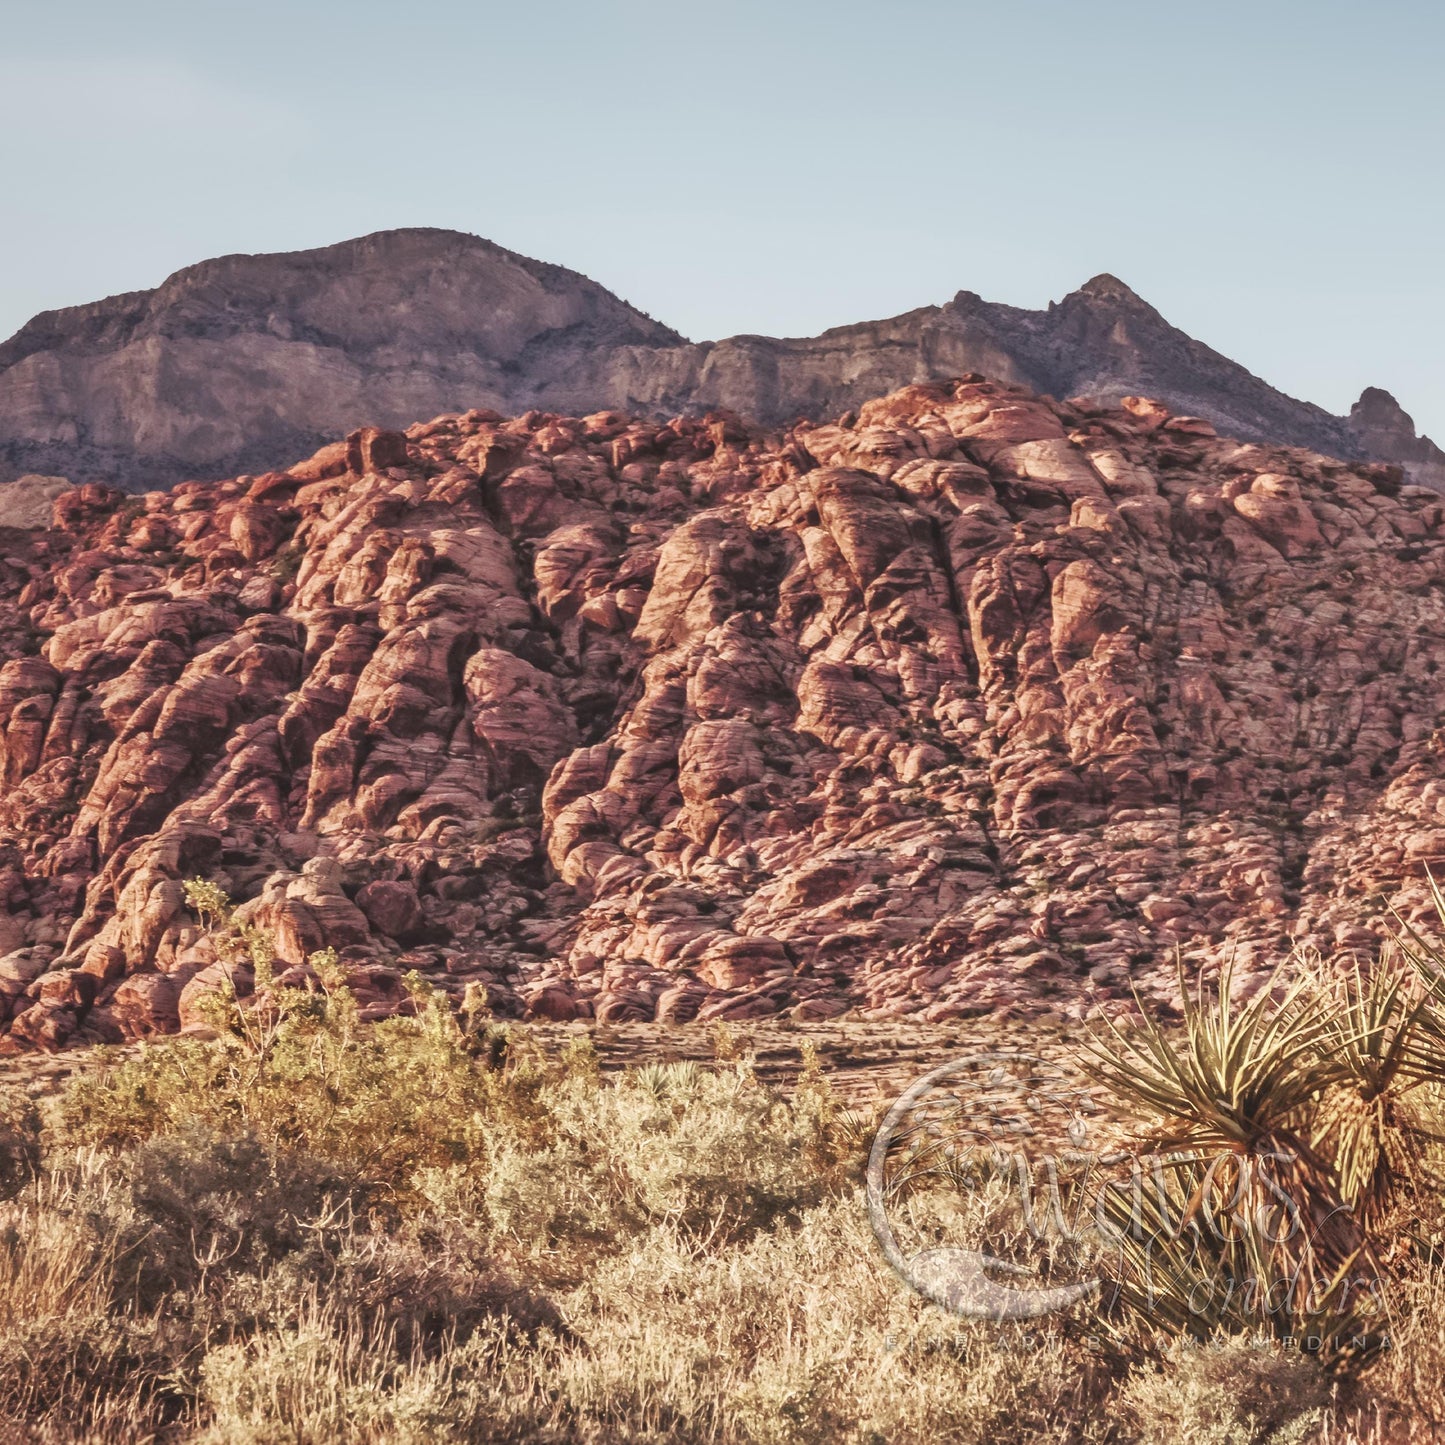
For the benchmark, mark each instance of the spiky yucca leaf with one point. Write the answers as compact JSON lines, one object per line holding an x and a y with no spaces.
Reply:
{"x":1367,"y":1122}
{"x":1187,"y":1267}
{"x":1244,"y":1204}
{"x":1427,"y":958}
{"x":1235,"y":1075}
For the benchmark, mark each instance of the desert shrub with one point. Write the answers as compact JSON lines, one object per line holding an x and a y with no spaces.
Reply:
{"x":713,"y":1155}
{"x":201,"y":1211}
{"x":790,"y":1337}
{"x":329,"y":1378}
{"x":376,"y":1105}
{"x":1405,"y":1388}
{"x":286,"y":564}
{"x":71,"y":1365}
{"x":1229,"y":1392}
{"x":420,"y":1114}
{"x":20,"y":1129}
{"x":325,"y":1377}
{"x":434,"y":1229}
{"x":796,"y":1335}
{"x":354,"y":1288}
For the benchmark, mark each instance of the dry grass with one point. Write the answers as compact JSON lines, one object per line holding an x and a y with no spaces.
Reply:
{"x":310,"y":1231}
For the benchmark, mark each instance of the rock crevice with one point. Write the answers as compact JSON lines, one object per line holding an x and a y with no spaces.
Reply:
{"x":969,"y":701}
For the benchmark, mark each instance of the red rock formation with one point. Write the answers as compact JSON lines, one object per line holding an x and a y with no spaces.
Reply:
{"x":970,"y":701}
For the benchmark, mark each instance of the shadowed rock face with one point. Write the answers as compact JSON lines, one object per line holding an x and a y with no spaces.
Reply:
{"x":1384,"y":429}
{"x":978,"y":702}
{"x":248,"y":361}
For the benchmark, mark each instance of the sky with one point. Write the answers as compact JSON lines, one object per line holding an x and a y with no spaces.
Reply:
{"x":1268,"y":174}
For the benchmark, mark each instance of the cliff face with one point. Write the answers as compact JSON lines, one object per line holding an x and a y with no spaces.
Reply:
{"x":248,"y":361}
{"x":976,"y":702}
{"x":245,"y":362}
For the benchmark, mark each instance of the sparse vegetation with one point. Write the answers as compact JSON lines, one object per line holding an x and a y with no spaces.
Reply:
{"x":433,"y":1229}
{"x":286,"y":564}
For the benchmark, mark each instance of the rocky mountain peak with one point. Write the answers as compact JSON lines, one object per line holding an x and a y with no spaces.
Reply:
{"x":240,"y":362}
{"x":1108,"y":290}
{"x":1385,"y":428}
{"x":1378,"y":407}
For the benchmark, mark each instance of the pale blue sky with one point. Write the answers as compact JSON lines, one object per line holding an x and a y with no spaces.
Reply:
{"x":1268,"y":174}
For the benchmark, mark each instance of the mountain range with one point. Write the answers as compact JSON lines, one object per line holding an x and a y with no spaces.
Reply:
{"x":241,"y":363}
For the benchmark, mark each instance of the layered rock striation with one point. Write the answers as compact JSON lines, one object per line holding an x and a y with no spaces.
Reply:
{"x":246,"y":362}
{"x":251,"y":361}
{"x":971,"y":701}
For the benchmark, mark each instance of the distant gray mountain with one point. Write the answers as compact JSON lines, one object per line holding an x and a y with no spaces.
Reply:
{"x":248,"y":362}
{"x":245,"y":363}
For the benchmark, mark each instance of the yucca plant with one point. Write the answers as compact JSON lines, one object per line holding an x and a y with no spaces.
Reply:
{"x":1234,"y":1076}
{"x":1185,"y":1268}
{"x":1371,"y":1121}
{"x":1427,"y":957}
{"x":1238,"y":1204}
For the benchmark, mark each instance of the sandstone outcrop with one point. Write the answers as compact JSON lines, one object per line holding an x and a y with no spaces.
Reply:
{"x":243,"y":363}
{"x":967,"y":701}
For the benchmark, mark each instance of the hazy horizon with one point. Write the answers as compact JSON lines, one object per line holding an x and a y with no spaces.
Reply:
{"x":1267,"y":177}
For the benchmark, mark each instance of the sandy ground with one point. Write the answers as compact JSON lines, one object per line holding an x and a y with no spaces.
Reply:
{"x":868,"y":1064}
